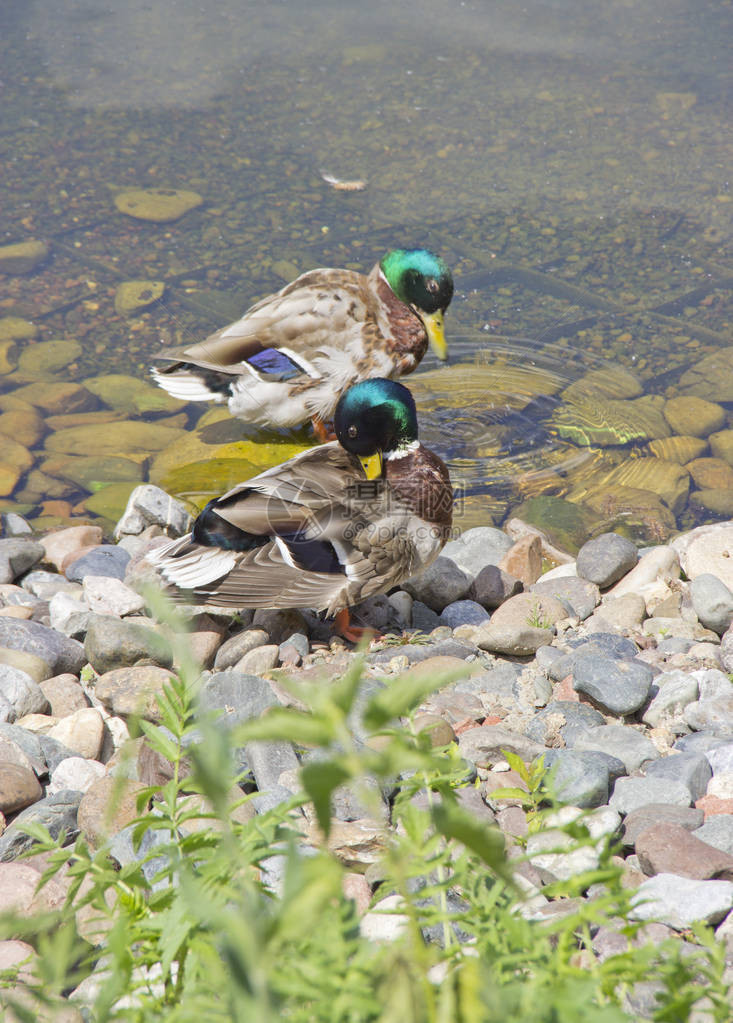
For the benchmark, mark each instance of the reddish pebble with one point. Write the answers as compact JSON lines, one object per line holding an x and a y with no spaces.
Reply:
{"x":564,"y":690}
{"x":712,"y":805}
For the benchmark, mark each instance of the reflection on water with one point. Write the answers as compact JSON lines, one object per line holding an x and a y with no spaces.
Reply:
{"x":568,"y":159}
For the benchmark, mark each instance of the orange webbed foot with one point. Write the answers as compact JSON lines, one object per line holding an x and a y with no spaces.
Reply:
{"x":321,"y":430}
{"x":352,"y":633}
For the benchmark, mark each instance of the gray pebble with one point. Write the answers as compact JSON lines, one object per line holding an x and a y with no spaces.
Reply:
{"x":688,"y":817}
{"x":240,"y":697}
{"x":692,"y":769}
{"x":492,"y":586}
{"x":580,"y":778}
{"x":112,"y":643}
{"x":22,"y":693}
{"x":720,"y":758}
{"x":17,"y":556}
{"x":478,"y":547}
{"x":620,"y":687}
{"x":717,"y":831}
{"x":298,"y":641}
{"x":107,"y":559}
{"x":268,"y":759}
{"x":12,"y":524}
{"x":60,"y":653}
{"x":631,"y":793}
{"x":440,"y":584}
{"x":56,"y":812}
{"x":698,"y":742}
{"x":675,"y":690}
{"x":44,"y":584}
{"x":424,"y":619}
{"x":580,"y":595}
{"x":606,"y":558}
{"x":148,"y":505}
{"x":463,"y":612}
{"x":620,"y":741}
{"x":579,"y":717}
{"x":712,"y":602}
{"x":69,"y":615}
{"x":715,"y":715}
{"x":681,"y":902}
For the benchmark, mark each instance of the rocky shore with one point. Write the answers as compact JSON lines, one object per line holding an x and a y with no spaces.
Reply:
{"x":614,"y":665}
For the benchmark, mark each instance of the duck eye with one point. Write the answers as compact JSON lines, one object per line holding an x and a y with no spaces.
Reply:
{"x":432,"y":285}
{"x":352,"y":431}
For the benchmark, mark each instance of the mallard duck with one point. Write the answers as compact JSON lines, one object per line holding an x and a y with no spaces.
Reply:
{"x":293,"y":354}
{"x":326,"y":529}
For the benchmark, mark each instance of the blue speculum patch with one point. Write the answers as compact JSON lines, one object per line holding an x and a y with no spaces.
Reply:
{"x":273,"y":363}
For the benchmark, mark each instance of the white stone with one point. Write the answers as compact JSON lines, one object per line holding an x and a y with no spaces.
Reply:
{"x":677,"y":689}
{"x":75,"y":773}
{"x":660,"y":563}
{"x":721,"y":785}
{"x":383,"y":922}
{"x":82,"y":732}
{"x":559,"y":572}
{"x":680,"y":902}
{"x":109,"y":596}
{"x":707,"y":549}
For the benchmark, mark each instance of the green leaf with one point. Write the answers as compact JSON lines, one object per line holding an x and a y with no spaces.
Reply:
{"x":160,"y":742}
{"x":288,"y":725}
{"x":404,"y":694}
{"x":517,"y":764}
{"x":342,"y":692}
{"x":486,"y":842}
{"x":320,"y":778}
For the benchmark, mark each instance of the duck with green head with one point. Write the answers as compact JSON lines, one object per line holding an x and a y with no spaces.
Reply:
{"x":293,"y":354}
{"x":326,"y":529}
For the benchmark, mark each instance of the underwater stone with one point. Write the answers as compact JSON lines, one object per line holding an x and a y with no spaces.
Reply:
{"x":677,"y":449}
{"x":693,"y":416}
{"x":22,"y":257}
{"x":157,"y":204}
{"x":48,"y":357}
{"x":13,"y":328}
{"x":134,"y":295}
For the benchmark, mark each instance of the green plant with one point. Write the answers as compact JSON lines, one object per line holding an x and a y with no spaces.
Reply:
{"x":206,"y":939}
{"x":537,"y":619}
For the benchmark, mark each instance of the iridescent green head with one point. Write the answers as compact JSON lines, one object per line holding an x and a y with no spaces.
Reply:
{"x":423,"y":281}
{"x":375,"y":416}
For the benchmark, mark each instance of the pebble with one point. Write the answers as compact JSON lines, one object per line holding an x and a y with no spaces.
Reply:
{"x":718,"y":832}
{"x":20,"y":691}
{"x":620,"y":741}
{"x":112,"y":643}
{"x":148,"y":505}
{"x":132,"y":691}
{"x":617,"y":687}
{"x":669,"y":848}
{"x":17,"y":556}
{"x":82,"y":732}
{"x":259,"y":660}
{"x":692,"y":769}
{"x":75,"y":773}
{"x":681,"y":902}
{"x":439,"y":585}
{"x":605,"y":559}
{"x":712,"y":602}
{"x":18,"y":787}
{"x":106,"y":595}
{"x":688,"y":817}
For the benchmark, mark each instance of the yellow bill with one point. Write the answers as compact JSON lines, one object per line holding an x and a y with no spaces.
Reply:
{"x":372,"y":465}
{"x":436,"y":335}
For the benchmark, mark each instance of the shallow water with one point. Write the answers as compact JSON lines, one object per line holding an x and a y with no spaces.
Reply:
{"x":570,"y":161}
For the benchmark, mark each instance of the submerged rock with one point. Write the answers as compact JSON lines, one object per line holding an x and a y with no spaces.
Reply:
{"x":156,"y":204}
{"x":22,"y":257}
{"x":132,"y":296}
